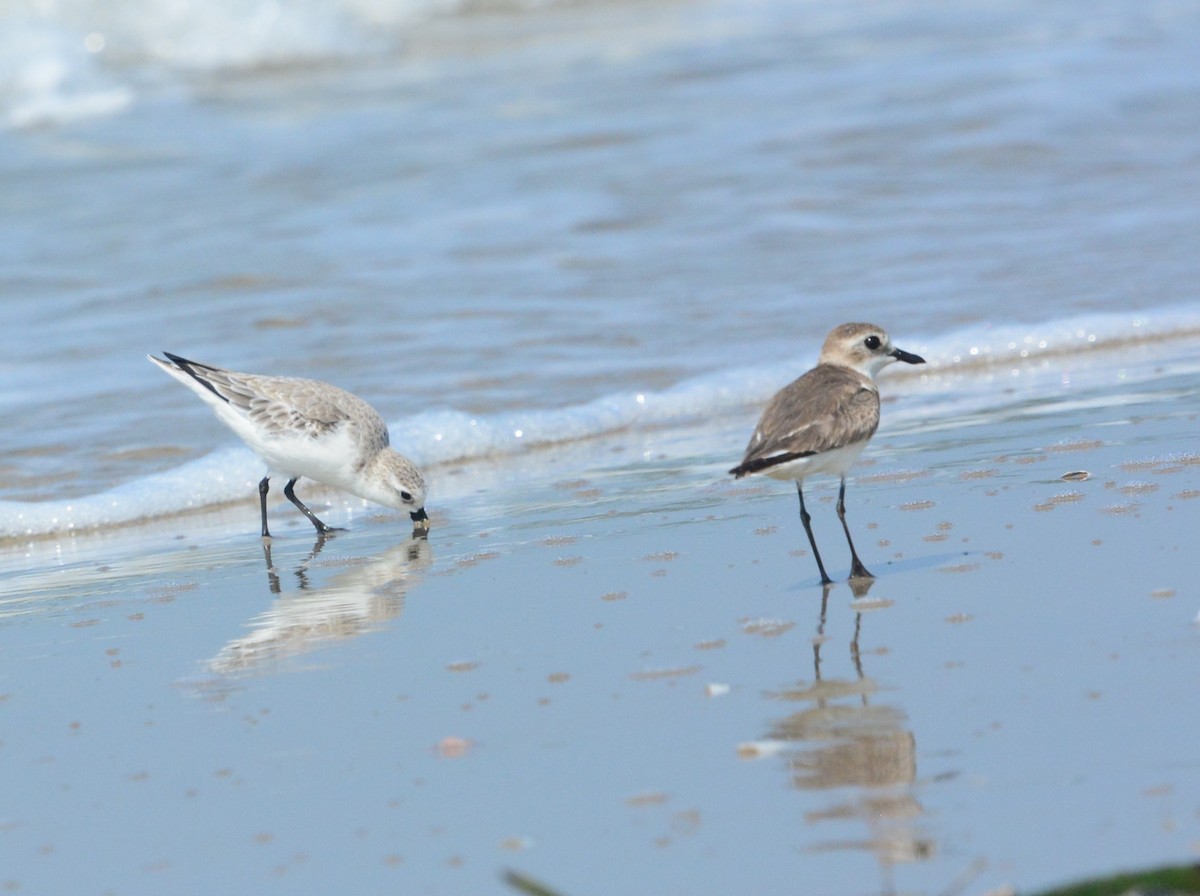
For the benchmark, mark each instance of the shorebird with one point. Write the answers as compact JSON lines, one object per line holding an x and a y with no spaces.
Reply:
{"x":308,"y":428}
{"x":821,"y":422}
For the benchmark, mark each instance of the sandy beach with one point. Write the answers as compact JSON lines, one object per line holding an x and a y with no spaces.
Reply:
{"x":636,"y":683}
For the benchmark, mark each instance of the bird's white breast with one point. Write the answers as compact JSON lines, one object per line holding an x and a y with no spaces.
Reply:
{"x":835,"y":462}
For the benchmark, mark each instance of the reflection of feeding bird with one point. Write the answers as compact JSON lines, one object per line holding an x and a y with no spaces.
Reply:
{"x":821,"y":422}
{"x":358,"y":600}
{"x":308,"y":428}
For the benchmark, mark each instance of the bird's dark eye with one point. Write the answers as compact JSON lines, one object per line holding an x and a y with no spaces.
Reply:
{"x":405,"y":496}
{"x":872,"y":342}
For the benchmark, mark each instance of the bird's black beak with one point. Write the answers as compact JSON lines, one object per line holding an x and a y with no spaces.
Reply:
{"x":907,"y":357}
{"x":420,"y":520}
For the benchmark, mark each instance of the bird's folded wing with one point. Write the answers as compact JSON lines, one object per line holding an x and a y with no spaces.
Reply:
{"x":285,"y":406}
{"x":277,"y":405}
{"x":823,"y":410}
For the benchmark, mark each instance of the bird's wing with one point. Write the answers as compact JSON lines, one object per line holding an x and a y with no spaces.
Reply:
{"x":827,"y":408}
{"x":286,"y":406}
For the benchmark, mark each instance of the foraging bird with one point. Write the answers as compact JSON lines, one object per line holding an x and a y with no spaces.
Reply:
{"x":821,"y":422}
{"x":308,"y":428}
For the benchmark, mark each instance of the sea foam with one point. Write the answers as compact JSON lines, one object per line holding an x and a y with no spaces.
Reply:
{"x":969,"y":372}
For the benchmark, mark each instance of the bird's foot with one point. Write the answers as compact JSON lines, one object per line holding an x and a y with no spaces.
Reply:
{"x":858,"y":571}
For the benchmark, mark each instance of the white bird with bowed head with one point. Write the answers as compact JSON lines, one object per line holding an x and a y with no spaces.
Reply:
{"x":308,"y":428}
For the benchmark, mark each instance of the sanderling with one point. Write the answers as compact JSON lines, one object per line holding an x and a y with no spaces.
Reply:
{"x":308,"y":428}
{"x":821,"y":422}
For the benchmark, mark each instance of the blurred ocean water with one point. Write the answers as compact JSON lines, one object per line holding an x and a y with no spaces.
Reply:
{"x":507,"y":224}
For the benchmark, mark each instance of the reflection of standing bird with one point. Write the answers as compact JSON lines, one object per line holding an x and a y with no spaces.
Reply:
{"x":308,"y":428}
{"x":821,"y":422}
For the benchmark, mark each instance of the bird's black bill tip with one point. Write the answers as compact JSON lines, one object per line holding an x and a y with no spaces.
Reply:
{"x":420,"y":521}
{"x":907,"y":357}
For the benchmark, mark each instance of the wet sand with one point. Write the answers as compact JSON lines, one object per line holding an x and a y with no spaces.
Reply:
{"x":632,"y":682}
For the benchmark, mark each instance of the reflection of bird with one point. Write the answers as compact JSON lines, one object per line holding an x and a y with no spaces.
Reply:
{"x":821,"y":422}
{"x":353,"y":602}
{"x":842,"y":740}
{"x":866,"y":745}
{"x":308,"y":428}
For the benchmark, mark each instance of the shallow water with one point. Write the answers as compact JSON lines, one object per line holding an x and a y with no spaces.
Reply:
{"x":568,"y":253}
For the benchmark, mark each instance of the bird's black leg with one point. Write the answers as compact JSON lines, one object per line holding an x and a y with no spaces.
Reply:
{"x":857,"y":570}
{"x":807,"y":520}
{"x":263,"y":488}
{"x":312,"y":517}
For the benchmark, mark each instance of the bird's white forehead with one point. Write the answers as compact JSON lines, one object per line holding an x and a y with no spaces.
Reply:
{"x":856,"y":333}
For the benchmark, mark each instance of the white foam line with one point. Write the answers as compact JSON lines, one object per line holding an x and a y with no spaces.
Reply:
{"x":959,"y":381}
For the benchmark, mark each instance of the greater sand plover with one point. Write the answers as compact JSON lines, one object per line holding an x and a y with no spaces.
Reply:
{"x":821,"y":422}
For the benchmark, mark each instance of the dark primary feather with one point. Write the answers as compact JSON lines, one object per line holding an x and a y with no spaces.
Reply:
{"x":746,"y":467}
{"x":826,"y":408}
{"x":197,"y":371}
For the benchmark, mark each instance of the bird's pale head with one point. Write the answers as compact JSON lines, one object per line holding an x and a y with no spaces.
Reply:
{"x":865,"y":348}
{"x":399,"y":484}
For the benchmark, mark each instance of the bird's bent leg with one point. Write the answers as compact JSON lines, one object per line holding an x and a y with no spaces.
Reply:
{"x":312,"y":517}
